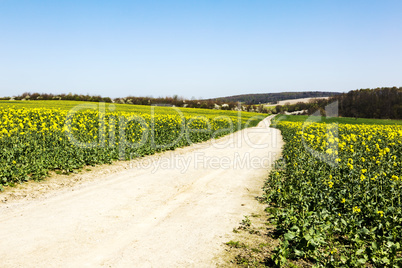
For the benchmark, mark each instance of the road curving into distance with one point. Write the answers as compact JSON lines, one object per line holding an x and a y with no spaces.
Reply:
{"x":175,"y":209}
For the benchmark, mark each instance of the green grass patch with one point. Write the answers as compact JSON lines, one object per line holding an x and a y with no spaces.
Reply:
{"x":340,"y":120}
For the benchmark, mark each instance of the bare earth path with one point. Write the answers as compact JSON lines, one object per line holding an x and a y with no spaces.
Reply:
{"x":171,"y":210}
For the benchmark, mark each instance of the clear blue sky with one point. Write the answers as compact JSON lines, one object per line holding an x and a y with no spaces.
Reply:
{"x":198,"y":48}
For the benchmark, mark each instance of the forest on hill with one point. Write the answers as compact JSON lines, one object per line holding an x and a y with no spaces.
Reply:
{"x":382,"y":103}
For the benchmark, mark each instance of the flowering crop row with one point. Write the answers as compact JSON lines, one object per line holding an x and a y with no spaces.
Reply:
{"x":35,"y":140}
{"x":336,"y":194}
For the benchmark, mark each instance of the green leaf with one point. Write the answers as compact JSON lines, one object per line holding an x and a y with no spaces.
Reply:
{"x":360,"y":251}
{"x":299,"y":253}
{"x":289,"y":236}
{"x":364,"y":230}
{"x":385,"y":260}
{"x":362,"y":261}
{"x":343,"y":259}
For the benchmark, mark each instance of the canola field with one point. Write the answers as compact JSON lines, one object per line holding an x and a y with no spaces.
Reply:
{"x":335,"y":196}
{"x":40,"y":136}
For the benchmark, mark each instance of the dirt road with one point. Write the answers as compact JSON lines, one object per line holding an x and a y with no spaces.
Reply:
{"x":171,"y":210}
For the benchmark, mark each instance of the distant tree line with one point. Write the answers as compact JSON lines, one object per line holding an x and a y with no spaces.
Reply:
{"x":177,"y":102}
{"x":71,"y":97}
{"x":273,"y":98}
{"x":168,"y":101}
{"x":383,"y":103}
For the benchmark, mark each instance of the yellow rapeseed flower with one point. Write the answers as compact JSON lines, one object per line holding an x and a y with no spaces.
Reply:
{"x":356,"y":209}
{"x":381,"y":213}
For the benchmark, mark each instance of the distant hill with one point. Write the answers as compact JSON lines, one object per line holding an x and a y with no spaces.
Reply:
{"x":274,"y":97}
